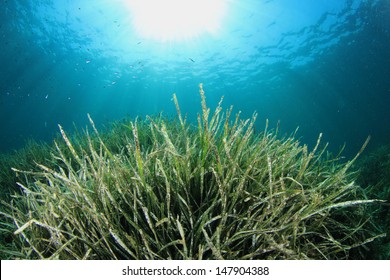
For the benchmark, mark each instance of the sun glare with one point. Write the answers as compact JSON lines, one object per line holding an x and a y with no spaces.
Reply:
{"x":176,"y":20}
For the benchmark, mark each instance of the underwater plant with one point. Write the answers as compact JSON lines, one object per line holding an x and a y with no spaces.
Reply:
{"x":374,"y":176}
{"x":167,"y":189}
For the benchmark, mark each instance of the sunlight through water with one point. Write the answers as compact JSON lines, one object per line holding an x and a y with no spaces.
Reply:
{"x":176,"y":20}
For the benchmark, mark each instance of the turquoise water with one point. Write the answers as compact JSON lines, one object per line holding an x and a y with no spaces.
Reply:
{"x":321,"y":65}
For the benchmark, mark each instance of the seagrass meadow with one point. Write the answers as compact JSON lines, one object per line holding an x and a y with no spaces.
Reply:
{"x":163,"y":188}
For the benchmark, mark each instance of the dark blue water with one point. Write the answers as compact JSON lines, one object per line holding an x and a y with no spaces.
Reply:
{"x":321,"y":65}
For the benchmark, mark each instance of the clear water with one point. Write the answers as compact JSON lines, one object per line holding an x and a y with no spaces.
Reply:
{"x":322,"y":65}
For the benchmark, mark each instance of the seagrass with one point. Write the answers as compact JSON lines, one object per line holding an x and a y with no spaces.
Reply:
{"x":164,"y":188}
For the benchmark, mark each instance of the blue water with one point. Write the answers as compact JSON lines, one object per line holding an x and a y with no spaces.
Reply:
{"x":322,"y":65}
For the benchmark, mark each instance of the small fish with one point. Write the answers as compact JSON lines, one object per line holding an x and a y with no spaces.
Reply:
{"x":191,"y":59}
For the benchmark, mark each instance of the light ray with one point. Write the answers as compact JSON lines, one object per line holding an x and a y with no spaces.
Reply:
{"x":176,"y":20}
